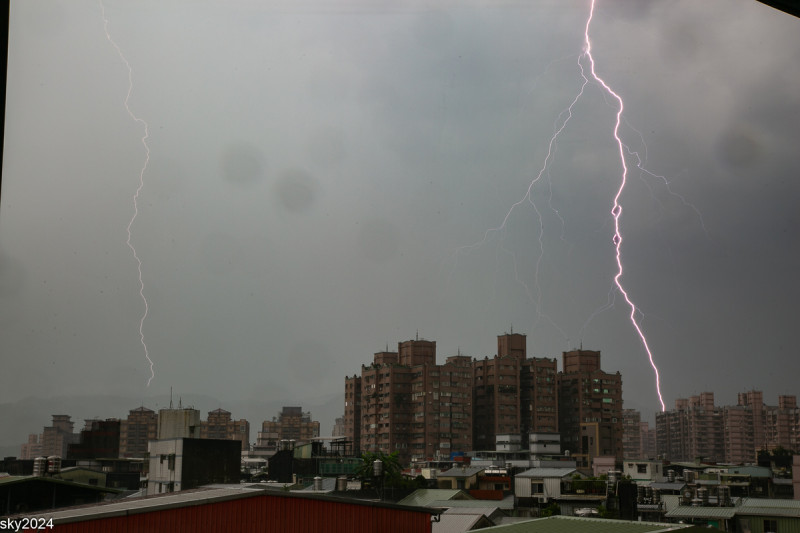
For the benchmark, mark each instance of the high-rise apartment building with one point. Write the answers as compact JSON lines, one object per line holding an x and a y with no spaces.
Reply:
{"x":638,"y":438}
{"x":99,"y":439}
{"x":352,"y":410}
{"x":513,"y":394}
{"x":136,"y":431}
{"x":220,"y":425}
{"x":589,"y":408}
{"x":31,"y":449}
{"x":497,"y":391}
{"x":750,"y":426}
{"x":648,"y":436}
{"x":696,"y":428}
{"x":404,"y":402}
{"x":56,"y":439}
{"x":782,"y":424}
{"x":631,"y":434}
{"x":539,"y":382}
{"x":291,"y":425}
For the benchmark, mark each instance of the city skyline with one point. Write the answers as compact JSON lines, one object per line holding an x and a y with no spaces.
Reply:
{"x":309,"y":200}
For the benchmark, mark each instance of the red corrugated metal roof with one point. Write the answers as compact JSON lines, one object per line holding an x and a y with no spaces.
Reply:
{"x":250,"y":511}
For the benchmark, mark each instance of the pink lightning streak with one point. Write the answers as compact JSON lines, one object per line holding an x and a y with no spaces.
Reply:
{"x":146,"y":135}
{"x":616,"y":211}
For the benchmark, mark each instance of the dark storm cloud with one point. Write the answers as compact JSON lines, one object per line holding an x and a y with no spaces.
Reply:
{"x":316,"y":170}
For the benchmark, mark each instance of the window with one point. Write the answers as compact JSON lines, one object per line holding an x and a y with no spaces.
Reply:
{"x":770,"y":526}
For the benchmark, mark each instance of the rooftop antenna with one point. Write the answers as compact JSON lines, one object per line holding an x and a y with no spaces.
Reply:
{"x":417,"y":333}
{"x":180,"y":402}
{"x":512,"y":328}
{"x":170,"y":397}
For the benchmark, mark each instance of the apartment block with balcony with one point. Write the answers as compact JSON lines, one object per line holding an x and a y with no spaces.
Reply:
{"x":292,"y":426}
{"x":136,"y":431}
{"x":220,"y":425}
{"x":589,"y":408}
{"x":406,"y":403}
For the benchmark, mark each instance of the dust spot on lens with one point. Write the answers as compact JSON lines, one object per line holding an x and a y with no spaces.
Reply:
{"x":739,"y":148}
{"x":296,"y":190}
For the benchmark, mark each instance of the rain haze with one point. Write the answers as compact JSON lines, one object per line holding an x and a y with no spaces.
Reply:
{"x":325,"y":178}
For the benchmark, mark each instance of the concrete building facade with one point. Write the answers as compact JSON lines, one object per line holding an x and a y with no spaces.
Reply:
{"x":187,"y":463}
{"x":178,"y":423}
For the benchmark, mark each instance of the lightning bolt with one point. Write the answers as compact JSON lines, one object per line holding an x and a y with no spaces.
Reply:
{"x":616,"y":210}
{"x":559,"y":125}
{"x":140,"y":121}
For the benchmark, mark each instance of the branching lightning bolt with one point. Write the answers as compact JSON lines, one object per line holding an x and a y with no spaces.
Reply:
{"x":616,"y":210}
{"x":146,"y":135}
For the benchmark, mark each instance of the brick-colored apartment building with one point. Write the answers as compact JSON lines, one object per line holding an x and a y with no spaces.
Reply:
{"x":513,"y":394}
{"x":291,"y":424}
{"x":136,"y":431}
{"x":696,"y":428}
{"x":589,"y":408}
{"x":404,"y":402}
{"x":220,"y":425}
{"x":638,"y":438}
{"x":407,"y":403}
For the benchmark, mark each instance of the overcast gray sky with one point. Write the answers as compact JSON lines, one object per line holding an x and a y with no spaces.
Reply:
{"x":320,"y":171}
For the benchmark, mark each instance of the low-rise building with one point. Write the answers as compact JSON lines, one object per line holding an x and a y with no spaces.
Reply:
{"x":538,"y":486}
{"x":644,"y":471}
{"x":460,"y":477}
{"x":183,"y":463}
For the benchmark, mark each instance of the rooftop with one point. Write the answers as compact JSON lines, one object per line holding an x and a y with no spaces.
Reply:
{"x":423,"y":497}
{"x":571,"y":524}
{"x":462,"y":471}
{"x":547,"y":472}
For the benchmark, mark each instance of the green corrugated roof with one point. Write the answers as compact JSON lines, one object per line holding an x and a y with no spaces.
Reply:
{"x":687,"y":511}
{"x":772,"y":503}
{"x":423,"y":497}
{"x":572,"y":524}
{"x":11,"y":480}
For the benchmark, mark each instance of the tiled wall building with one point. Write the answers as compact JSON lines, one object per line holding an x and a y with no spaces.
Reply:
{"x":696,"y":428}
{"x":136,"y":431}
{"x":220,"y":425}
{"x":291,"y":425}
{"x":589,"y":408}
{"x":407,"y":403}
{"x":410,"y":405}
{"x":631,"y":434}
{"x":513,"y":394}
